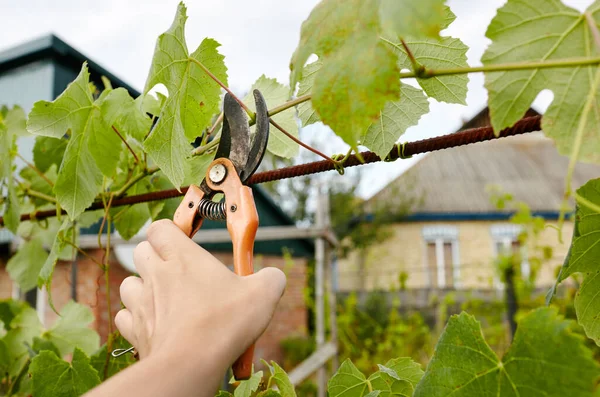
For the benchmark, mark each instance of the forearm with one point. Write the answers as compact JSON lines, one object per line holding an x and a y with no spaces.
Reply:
{"x":167,"y":375}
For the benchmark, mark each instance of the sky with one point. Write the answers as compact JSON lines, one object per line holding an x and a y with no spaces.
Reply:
{"x":257,"y":36}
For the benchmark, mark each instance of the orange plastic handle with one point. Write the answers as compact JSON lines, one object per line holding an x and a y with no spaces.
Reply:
{"x":242,"y":224}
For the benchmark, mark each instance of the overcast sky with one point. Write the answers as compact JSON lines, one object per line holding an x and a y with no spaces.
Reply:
{"x":258,"y":36}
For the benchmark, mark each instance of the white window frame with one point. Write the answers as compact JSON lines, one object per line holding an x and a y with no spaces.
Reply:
{"x":506,"y":234}
{"x":440,"y":234}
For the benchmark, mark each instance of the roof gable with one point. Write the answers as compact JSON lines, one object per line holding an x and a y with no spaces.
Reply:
{"x":457,"y":181}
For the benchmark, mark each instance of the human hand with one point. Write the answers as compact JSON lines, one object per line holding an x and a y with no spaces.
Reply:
{"x":187,"y":303}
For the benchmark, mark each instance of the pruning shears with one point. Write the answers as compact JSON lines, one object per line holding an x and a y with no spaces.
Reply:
{"x":237,"y":158}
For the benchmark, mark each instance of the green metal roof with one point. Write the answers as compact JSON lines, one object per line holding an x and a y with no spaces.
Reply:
{"x":68,"y":62}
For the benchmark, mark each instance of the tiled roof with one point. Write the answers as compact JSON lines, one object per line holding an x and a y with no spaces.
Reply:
{"x":458,"y":180}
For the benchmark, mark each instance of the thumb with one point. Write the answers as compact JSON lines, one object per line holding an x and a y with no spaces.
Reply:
{"x":270,"y":284}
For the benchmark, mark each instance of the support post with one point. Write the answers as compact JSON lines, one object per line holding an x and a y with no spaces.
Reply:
{"x":331,"y":286}
{"x":320,"y":248}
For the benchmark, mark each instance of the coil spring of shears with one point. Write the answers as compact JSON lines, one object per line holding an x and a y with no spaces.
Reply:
{"x":208,"y":209}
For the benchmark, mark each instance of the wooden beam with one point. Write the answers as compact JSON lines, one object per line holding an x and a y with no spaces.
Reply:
{"x":312,"y":363}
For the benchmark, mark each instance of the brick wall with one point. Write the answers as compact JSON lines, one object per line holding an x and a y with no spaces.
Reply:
{"x":290,"y":319}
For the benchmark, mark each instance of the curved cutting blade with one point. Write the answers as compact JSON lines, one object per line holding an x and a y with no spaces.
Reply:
{"x":260,"y":139}
{"x":235,"y":136}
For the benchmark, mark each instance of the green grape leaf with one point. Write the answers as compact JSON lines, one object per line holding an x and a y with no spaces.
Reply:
{"x":105,"y":363}
{"x":151,"y":104}
{"x":406,"y":369}
{"x":411,"y":18}
{"x":395,"y":118}
{"x":120,"y":110}
{"x":23,"y":328}
{"x":65,"y":233}
{"x":282,"y":380}
{"x":306,"y":113}
{"x":4,"y":357}
{"x":546,"y":356}
{"x":48,"y":151}
{"x":70,"y":111}
{"x":446,"y":52}
{"x":24,"y":267}
{"x":348,"y":381}
{"x":583,"y":258}
{"x":193,"y":96}
{"x":398,"y":377}
{"x":247,"y":387}
{"x":92,"y":147}
{"x":16,"y":121}
{"x":12,"y":212}
{"x":373,"y":393}
{"x":104,"y":144}
{"x":195,"y":169}
{"x":34,"y":181}
{"x":359,"y":72}
{"x":276,"y":94}
{"x":269,"y":393}
{"x":72,"y":330}
{"x":12,"y":209}
{"x":79,"y":178}
{"x":130,"y":220}
{"x":54,"y":377}
{"x":536,"y":31}
{"x":164,"y":209}
{"x":223,"y":393}
{"x":40,"y":345}
{"x":8,"y":310}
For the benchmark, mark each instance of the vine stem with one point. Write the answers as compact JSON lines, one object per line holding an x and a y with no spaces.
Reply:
{"x":82,"y":252}
{"x":200,"y":150}
{"x":135,"y":180}
{"x":577,"y":148}
{"x":40,"y":195}
{"x":36,"y":169}
{"x":503,"y":67}
{"x":289,"y":104}
{"x":417,"y":68}
{"x":106,"y":266}
{"x":137,"y":160}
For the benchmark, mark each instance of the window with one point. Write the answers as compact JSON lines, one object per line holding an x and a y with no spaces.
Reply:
{"x":441,"y":256}
{"x":506,"y":242}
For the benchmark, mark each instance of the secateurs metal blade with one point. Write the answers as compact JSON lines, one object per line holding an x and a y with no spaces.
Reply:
{"x":237,"y":158}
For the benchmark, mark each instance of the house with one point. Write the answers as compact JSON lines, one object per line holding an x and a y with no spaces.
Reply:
{"x":451,"y":238}
{"x":41,"y":70}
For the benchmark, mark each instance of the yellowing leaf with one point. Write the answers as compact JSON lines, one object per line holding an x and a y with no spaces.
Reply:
{"x":413,"y":18}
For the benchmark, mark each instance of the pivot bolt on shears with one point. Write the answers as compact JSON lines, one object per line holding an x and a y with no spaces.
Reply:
{"x":237,"y":158}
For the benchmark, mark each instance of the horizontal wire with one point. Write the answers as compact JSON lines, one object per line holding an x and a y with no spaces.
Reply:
{"x":465,"y":137}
